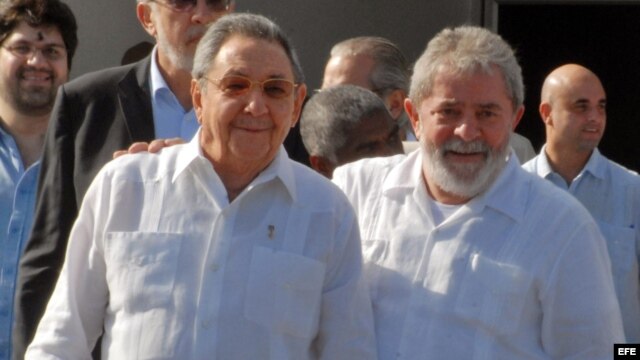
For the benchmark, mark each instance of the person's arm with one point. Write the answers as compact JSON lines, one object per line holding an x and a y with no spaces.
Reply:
{"x":55,"y":212}
{"x":580,"y":314}
{"x":346,"y":327}
{"x":74,"y":316}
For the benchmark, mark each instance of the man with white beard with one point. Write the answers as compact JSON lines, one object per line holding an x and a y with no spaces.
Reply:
{"x":467,"y":255}
{"x":94,"y":116}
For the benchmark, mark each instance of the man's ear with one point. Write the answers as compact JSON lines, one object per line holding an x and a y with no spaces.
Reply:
{"x":196,"y":99}
{"x":143,"y":11}
{"x":545,"y":113}
{"x":517,"y":117}
{"x":301,"y":93}
{"x":395,"y":103}
{"x":322,"y":165}
{"x":412,"y":113}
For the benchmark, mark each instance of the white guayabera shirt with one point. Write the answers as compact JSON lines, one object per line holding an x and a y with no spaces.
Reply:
{"x":172,"y":270}
{"x":519,"y":272}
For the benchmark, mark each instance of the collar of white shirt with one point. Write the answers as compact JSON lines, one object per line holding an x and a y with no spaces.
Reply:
{"x":501,"y":196}
{"x":281,"y":168}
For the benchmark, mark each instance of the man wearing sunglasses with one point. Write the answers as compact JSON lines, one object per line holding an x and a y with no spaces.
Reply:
{"x":37,"y":42}
{"x":96,"y":115}
{"x":221,"y":248}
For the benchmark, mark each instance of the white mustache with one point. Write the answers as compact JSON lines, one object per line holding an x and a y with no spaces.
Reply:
{"x":460,"y":146}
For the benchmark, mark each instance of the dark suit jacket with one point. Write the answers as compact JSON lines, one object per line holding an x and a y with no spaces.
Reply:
{"x":94,"y":115}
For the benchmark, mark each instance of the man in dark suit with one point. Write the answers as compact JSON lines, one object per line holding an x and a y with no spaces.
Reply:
{"x":96,"y":115}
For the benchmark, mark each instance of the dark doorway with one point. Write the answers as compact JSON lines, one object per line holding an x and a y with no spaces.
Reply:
{"x":602,"y":37}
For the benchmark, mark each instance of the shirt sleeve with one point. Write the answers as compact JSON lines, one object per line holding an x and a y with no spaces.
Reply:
{"x":346,"y":330}
{"x":74,"y":316}
{"x":580,"y":314}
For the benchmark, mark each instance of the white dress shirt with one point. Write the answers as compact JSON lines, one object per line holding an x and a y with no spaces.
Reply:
{"x":611,"y":193}
{"x":520,"y":272}
{"x":172,"y":270}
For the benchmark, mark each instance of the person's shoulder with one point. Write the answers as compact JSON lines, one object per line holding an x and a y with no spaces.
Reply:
{"x":370,"y":166}
{"x":308,"y":179}
{"x":531,"y":164}
{"x":543,"y":194}
{"x":315,"y":190}
{"x":144,"y":166}
{"x":364,"y":179}
{"x":621,"y":173}
{"x":101,"y":80}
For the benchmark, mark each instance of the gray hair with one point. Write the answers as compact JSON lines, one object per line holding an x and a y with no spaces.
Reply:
{"x":249,"y":25}
{"x":466,"y":49}
{"x":332,"y":113}
{"x":391,"y":70}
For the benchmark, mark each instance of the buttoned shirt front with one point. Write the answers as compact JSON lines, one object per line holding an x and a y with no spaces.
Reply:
{"x":17,"y":200}
{"x":170,"y":119}
{"x":519,"y":272}
{"x":172,"y":270}
{"x":611,"y":193}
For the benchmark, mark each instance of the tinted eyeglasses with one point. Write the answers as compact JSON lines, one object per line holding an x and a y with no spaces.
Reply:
{"x":236,"y":85}
{"x":27,"y":51}
{"x":188,"y":5}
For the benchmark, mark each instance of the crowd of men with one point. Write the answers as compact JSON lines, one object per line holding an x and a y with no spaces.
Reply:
{"x":414,"y":232}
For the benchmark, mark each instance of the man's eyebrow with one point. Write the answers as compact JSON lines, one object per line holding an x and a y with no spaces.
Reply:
{"x":490,"y":106}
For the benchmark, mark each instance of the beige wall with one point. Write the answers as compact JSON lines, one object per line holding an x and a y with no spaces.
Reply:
{"x":106,"y":28}
{"x":109,"y":27}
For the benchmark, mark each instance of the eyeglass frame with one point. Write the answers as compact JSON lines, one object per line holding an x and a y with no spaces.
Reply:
{"x":192,"y":5}
{"x":253,"y":84}
{"x":33,"y":49}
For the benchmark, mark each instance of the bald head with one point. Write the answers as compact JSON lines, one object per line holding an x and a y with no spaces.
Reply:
{"x":566,"y":77}
{"x":573,"y":108}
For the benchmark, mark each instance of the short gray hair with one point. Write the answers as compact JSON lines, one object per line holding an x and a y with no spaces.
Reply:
{"x":332,"y":113}
{"x":466,"y":49}
{"x":391,"y":70}
{"x":249,"y":25}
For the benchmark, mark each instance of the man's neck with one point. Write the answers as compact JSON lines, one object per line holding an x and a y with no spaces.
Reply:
{"x":567,"y":163}
{"x":178,"y":80}
{"x":442,"y":196}
{"x":27,"y":131}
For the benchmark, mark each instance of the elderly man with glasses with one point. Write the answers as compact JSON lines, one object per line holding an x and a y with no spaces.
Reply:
{"x":221,"y":248}
{"x":96,"y":115}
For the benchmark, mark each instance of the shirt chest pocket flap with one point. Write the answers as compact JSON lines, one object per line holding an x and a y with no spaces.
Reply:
{"x":141,"y":268}
{"x":494,"y":294}
{"x":621,"y":243}
{"x":284,"y":292}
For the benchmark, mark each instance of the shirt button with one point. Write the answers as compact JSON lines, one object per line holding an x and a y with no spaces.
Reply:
{"x":214,"y":267}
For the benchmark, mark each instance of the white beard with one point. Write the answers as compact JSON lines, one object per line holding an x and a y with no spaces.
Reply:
{"x":463,"y":180}
{"x":180,"y":56}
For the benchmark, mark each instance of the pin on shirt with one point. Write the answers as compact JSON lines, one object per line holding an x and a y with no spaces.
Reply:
{"x":271,"y":231}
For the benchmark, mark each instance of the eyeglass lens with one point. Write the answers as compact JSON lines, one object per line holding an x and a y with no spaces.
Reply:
{"x":240,"y":85}
{"x":50,"y":52}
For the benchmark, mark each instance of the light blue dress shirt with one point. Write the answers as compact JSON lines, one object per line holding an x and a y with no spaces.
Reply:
{"x":169,"y":117}
{"x":17,"y":201}
{"x":611,"y":193}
